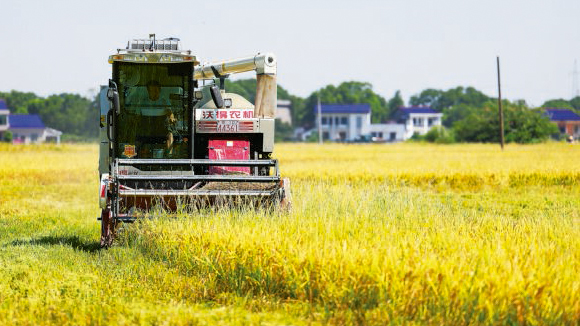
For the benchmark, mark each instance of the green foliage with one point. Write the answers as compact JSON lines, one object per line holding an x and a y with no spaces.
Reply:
{"x":283,"y":131}
{"x":69,"y":113}
{"x":247,"y":89}
{"x":18,"y":101}
{"x":394,"y":103}
{"x":440,"y":135}
{"x":573,"y":104}
{"x":470,"y":114}
{"x":243,"y":87}
{"x":521,"y":124}
{"x":312,"y":138}
{"x":7,"y":136}
{"x":457,"y":112}
{"x":429,"y":97}
{"x":557,"y":103}
{"x":416,"y":137}
{"x":439,"y":100}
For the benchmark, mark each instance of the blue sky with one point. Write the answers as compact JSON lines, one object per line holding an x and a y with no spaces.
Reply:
{"x":62,"y":46}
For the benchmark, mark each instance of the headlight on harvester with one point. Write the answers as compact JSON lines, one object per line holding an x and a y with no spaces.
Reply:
{"x":103,"y":190}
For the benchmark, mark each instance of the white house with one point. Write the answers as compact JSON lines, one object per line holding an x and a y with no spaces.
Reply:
{"x":418,"y":119}
{"x":342,"y":122}
{"x":25,"y":128}
{"x":391,"y":132}
{"x":347,"y":122}
{"x":4,"y":113}
{"x":283,"y":111}
{"x":29,"y":128}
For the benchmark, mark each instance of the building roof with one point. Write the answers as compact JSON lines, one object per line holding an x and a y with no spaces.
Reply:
{"x":562,"y":115}
{"x":52,"y":132}
{"x":25,"y":121}
{"x":417,"y":109}
{"x":3,"y":105}
{"x":282,"y":103}
{"x":344,"y":108}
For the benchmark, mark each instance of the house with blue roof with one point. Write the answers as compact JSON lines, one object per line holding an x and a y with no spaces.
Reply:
{"x":344,"y":122}
{"x":418,"y":119}
{"x":25,"y":128}
{"x":29,"y":129}
{"x":567,"y":120}
{"x":348,"y":122}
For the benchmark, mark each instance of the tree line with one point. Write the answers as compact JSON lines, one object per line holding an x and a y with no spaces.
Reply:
{"x":468,"y":114}
{"x":76,"y":116}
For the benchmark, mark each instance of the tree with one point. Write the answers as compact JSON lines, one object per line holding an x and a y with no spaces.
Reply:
{"x":558,"y":103}
{"x":394,"y":103}
{"x":243,"y":87}
{"x":18,"y":101}
{"x":440,"y":100}
{"x":429,"y":97}
{"x":521,"y":124}
{"x":69,"y":113}
{"x":575,"y":102}
{"x":456,"y":113}
{"x":440,"y":135}
{"x":352,"y":92}
{"x":247,"y":89}
{"x":283,"y":131}
{"x":7,"y":136}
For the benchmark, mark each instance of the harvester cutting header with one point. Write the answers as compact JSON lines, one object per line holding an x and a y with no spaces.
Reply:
{"x":169,"y":142}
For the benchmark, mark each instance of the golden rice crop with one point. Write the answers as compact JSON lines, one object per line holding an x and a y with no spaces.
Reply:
{"x":379,"y":234}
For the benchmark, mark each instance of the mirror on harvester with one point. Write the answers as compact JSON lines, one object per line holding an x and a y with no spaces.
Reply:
{"x":216,"y":96}
{"x":113,"y":96}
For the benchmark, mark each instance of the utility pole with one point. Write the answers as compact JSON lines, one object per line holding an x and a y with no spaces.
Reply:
{"x":319,"y":122}
{"x":501,"y":140}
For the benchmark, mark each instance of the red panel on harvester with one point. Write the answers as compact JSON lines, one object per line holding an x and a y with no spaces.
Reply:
{"x":229,"y":150}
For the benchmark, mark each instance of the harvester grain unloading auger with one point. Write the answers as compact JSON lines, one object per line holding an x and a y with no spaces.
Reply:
{"x":166,"y":145}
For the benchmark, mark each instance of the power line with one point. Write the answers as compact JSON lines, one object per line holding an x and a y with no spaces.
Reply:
{"x":575,"y":73}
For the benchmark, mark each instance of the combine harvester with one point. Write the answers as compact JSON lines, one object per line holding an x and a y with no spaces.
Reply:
{"x":166,"y":144}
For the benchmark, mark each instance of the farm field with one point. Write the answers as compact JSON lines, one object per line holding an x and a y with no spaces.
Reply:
{"x":408,"y":234}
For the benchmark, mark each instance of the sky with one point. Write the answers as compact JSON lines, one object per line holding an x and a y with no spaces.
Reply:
{"x":57,"y":46}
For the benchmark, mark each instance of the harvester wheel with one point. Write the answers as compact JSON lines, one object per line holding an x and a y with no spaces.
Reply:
{"x":286,"y":202}
{"x":107,"y":228}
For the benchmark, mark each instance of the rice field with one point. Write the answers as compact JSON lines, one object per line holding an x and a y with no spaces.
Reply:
{"x":404,"y":234}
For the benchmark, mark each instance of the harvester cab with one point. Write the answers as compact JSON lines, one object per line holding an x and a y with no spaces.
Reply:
{"x":167,"y":143}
